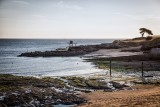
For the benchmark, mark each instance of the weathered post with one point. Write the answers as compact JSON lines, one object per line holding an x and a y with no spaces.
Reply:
{"x":142,"y":70}
{"x":110,"y":69}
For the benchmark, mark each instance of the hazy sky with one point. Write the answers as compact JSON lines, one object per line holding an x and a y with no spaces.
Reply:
{"x":78,"y":18}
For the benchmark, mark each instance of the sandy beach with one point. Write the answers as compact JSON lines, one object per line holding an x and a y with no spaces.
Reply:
{"x":125,"y":87}
{"x":79,"y":53}
{"x":140,"y":96}
{"x":116,"y":52}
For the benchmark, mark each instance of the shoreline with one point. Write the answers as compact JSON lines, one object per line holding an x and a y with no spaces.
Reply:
{"x":39,"y":90}
{"x":142,"y":95}
{"x":85,"y":90}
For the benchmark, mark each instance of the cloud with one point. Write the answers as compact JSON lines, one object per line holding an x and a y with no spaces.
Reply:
{"x":38,"y":16}
{"x":117,"y":13}
{"x":20,"y":2}
{"x":62,"y":4}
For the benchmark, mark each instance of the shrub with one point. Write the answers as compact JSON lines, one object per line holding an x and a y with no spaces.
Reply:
{"x":149,"y":37}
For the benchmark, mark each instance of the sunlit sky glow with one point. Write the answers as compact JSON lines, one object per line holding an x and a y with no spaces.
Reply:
{"x":78,"y":18}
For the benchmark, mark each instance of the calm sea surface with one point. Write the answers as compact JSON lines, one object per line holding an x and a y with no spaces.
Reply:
{"x":40,"y":66}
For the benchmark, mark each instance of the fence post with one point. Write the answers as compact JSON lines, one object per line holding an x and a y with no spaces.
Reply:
{"x":110,"y":69}
{"x":142,"y":70}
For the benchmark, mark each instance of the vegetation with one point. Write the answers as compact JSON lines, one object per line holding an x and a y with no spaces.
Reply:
{"x":116,"y":65}
{"x":149,"y":38}
{"x":18,"y":91}
{"x":90,"y":83}
{"x":153,"y":43}
{"x":11,"y":82}
{"x":76,"y":81}
{"x":128,"y":63}
{"x":144,"y":30}
{"x":54,"y":82}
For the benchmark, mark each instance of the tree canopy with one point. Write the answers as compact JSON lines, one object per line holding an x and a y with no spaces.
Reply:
{"x":144,"y":30}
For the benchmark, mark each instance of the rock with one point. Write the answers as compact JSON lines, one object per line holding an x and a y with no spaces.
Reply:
{"x":2,"y":98}
{"x":108,"y":90}
{"x":11,"y":100}
{"x":3,"y":105}
{"x":72,"y":51}
{"x":118,"y":85}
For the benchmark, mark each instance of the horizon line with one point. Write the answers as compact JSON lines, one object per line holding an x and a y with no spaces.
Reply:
{"x":63,"y":38}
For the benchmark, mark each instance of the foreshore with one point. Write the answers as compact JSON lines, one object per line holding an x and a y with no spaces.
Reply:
{"x":145,"y":91}
{"x":50,"y":91}
{"x":125,"y":87}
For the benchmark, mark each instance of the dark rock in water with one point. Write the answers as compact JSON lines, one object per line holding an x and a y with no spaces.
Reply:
{"x":53,"y":53}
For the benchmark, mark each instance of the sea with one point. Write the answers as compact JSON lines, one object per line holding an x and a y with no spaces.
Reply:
{"x":44,"y":66}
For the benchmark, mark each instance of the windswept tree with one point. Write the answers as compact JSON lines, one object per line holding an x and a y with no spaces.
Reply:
{"x":144,"y":30}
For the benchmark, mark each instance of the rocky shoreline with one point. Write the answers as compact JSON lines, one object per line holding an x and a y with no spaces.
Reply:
{"x":71,"y":51}
{"x":48,"y":91}
{"x":145,"y":44}
{"x":30,"y":91}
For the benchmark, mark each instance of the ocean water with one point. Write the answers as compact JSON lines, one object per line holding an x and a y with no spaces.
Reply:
{"x":40,"y":66}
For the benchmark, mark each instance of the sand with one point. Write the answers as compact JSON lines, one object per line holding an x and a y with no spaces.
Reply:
{"x":141,"y":96}
{"x":115,"y":52}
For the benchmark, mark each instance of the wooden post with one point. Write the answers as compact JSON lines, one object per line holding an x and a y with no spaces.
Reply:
{"x":142,"y":70}
{"x":110,"y":69}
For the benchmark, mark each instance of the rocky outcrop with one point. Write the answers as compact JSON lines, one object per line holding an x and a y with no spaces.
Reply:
{"x":39,"y":99}
{"x":18,"y":91}
{"x":126,"y":43}
{"x":85,"y":49}
{"x":52,"y":53}
{"x":72,"y":51}
{"x":153,"y":43}
{"x":148,"y":47}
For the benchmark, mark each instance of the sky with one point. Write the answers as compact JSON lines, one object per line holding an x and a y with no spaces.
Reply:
{"x":78,"y":18}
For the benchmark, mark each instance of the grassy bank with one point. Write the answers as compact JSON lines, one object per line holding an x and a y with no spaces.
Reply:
{"x":128,"y":63}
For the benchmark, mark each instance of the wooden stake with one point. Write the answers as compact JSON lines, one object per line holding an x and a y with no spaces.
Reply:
{"x":142,"y":70}
{"x":110,"y":69}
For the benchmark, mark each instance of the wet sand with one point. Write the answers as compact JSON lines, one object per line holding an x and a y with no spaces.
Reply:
{"x":141,"y":96}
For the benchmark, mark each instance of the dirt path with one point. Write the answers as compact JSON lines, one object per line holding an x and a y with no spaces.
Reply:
{"x":142,"y":96}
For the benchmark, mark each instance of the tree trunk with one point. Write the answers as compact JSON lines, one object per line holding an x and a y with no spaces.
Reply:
{"x":142,"y":35}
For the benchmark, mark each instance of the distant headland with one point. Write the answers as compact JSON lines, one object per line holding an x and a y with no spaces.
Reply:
{"x":145,"y":45}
